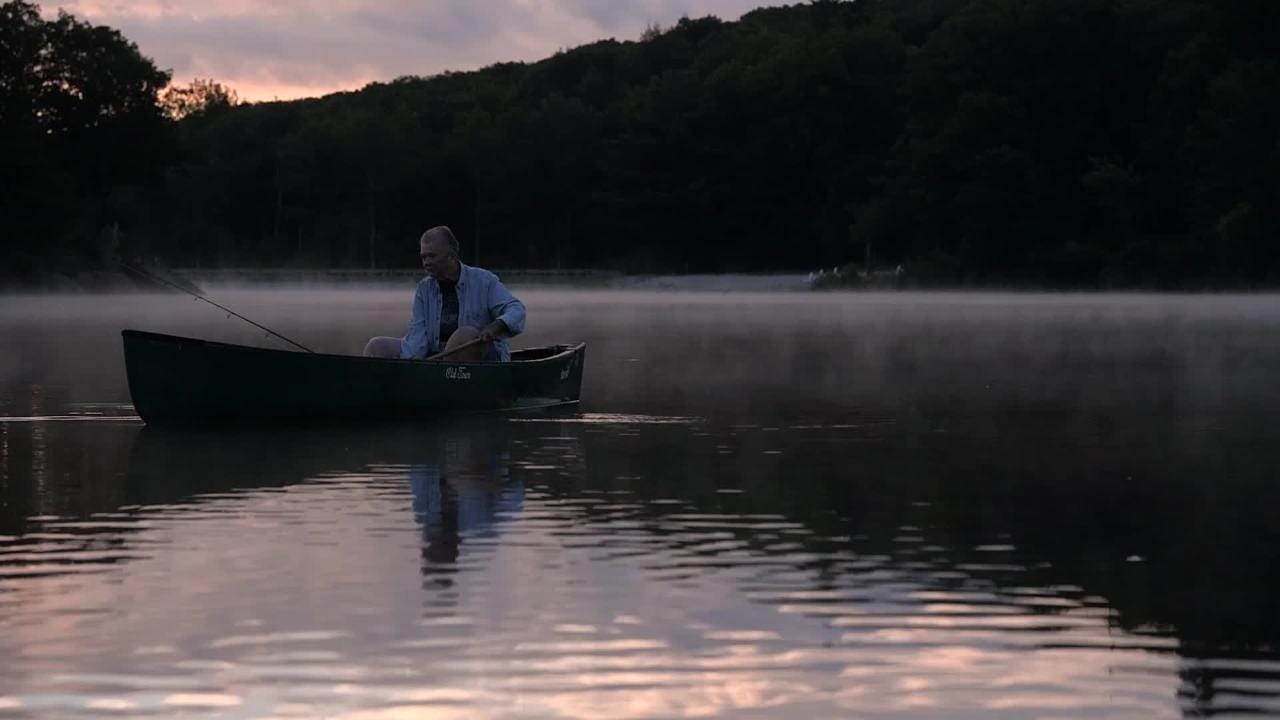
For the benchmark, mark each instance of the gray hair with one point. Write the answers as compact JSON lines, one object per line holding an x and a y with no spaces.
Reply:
{"x":444,"y":234}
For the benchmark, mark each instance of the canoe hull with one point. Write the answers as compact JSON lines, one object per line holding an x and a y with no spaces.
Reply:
{"x":184,"y":381}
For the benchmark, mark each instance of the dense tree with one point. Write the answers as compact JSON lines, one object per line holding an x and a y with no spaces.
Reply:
{"x":81,"y":137}
{"x":198,"y":96}
{"x":1035,"y":142}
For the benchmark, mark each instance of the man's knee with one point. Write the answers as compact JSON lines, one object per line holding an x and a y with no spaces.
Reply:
{"x":382,"y":347}
{"x":461,"y":336}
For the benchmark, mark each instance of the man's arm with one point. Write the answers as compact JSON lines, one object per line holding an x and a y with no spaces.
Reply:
{"x":507,"y":311}
{"x":414,"y":344}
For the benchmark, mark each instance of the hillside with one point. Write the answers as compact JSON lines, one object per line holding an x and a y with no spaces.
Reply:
{"x":1079,"y":143}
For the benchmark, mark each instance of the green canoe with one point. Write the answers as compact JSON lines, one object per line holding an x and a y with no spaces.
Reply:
{"x":182,"y":381}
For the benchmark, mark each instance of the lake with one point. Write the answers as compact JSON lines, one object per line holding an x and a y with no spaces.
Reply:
{"x":769,"y":504}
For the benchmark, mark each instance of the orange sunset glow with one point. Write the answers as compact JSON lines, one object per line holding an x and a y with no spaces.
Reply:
{"x":294,"y":49}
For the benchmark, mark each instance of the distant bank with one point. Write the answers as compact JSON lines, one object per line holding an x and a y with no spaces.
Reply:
{"x":723,"y":282}
{"x":221,"y":276}
{"x":116,"y":282}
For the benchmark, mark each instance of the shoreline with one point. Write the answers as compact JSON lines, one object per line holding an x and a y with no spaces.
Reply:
{"x":105,"y":282}
{"x":112,"y":283}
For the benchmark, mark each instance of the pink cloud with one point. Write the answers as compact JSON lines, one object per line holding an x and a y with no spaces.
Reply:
{"x":297,"y":48}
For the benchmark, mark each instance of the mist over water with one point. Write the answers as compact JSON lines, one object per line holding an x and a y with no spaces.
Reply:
{"x":770,"y":504}
{"x":720,"y":352}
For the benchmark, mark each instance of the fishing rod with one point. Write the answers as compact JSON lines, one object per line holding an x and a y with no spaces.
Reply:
{"x":198,"y":296}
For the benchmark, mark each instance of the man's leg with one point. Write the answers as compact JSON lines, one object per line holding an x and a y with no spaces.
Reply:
{"x":462,"y":336}
{"x":383,"y":347}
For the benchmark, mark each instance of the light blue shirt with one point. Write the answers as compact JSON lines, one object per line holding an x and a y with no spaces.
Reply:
{"x":482,"y":298}
{"x":481,"y":500}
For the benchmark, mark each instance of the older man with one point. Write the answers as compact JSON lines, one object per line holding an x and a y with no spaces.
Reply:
{"x":455,"y":305}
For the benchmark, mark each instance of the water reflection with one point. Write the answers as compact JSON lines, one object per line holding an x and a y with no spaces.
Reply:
{"x":465,"y":494}
{"x":627,"y":566}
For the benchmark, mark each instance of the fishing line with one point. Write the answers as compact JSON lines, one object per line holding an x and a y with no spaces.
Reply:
{"x":198,"y":296}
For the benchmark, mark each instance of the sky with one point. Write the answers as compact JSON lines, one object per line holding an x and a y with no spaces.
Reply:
{"x":268,"y":49}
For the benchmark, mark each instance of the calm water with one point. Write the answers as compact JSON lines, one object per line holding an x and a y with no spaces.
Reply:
{"x":769,"y":505}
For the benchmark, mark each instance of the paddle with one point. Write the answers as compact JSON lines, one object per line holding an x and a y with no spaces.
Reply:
{"x":463,"y":346}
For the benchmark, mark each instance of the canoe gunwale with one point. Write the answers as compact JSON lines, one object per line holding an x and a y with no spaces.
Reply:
{"x":562,"y":351}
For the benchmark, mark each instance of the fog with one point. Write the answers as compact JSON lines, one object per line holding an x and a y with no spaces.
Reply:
{"x":1098,"y":470}
{"x":774,"y":356}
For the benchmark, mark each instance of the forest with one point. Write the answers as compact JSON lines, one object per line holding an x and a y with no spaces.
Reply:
{"x":985,"y":143}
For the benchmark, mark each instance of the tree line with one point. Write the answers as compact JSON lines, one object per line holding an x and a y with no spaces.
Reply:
{"x":1061,"y":143}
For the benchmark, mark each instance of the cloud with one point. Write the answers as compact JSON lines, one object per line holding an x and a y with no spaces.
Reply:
{"x":296,"y":48}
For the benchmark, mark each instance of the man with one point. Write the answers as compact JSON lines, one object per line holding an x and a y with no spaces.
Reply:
{"x":456,"y":304}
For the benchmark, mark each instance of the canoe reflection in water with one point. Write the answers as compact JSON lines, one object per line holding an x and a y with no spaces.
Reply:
{"x":459,"y":477}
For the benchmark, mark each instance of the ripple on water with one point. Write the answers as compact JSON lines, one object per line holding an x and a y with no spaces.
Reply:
{"x":533,"y":583}
{"x":612,"y":419}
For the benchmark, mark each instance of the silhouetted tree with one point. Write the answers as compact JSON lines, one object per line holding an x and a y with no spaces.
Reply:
{"x":200,"y":95}
{"x":1036,"y":142}
{"x":81,"y":133}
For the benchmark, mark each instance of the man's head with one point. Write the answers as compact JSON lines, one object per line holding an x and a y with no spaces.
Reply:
{"x":438,"y":250}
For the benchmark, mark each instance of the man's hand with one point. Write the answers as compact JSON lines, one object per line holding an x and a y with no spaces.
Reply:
{"x":495,"y":330}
